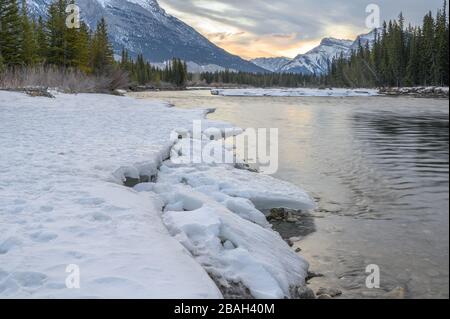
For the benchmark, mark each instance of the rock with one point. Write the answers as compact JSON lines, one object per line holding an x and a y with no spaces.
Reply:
{"x":34,"y":92}
{"x":289,"y":242}
{"x":330,"y":208}
{"x":119,"y":92}
{"x":324,"y":297}
{"x":312,"y":275}
{"x":131,"y":182}
{"x":333,"y":292}
{"x":295,"y":239}
{"x":305,"y":292}
{"x":397,"y":293}
{"x":298,"y":250}
{"x":291,"y":220}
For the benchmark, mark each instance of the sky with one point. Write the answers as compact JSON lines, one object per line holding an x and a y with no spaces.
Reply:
{"x":271,"y":28}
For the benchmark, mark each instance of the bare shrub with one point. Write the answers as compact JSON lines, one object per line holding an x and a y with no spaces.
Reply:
{"x":62,"y":79}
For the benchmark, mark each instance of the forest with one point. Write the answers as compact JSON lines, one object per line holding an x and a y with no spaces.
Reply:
{"x":38,"y":51}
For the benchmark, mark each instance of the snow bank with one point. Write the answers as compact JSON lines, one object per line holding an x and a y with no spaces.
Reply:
{"x":295,"y":92}
{"x":63,"y":162}
{"x":60,"y":204}
{"x":214,"y":210}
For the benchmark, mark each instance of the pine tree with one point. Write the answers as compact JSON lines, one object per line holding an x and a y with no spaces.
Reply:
{"x":42,"y":41}
{"x":102,"y":57}
{"x":428,"y":54}
{"x":442,"y":47}
{"x":81,"y":48}
{"x":56,"y":33}
{"x":2,"y":64}
{"x":10,"y":32}
{"x":29,"y":44}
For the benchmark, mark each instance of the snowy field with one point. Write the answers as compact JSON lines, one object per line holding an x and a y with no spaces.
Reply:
{"x":195,"y":228}
{"x":336,"y":92}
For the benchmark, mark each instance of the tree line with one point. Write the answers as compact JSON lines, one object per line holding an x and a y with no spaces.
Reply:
{"x":259,"y":79}
{"x":144,"y":73}
{"x":27,"y":42}
{"x":401,"y":56}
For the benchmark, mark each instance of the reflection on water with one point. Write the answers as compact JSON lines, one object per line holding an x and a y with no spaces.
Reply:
{"x":379,"y":170}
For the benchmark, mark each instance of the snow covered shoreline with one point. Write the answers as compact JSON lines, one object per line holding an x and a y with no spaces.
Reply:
{"x":195,"y":229}
{"x":296,"y":92}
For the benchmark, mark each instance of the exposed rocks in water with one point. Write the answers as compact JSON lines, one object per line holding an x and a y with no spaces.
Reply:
{"x":430,"y":91}
{"x":231,"y":290}
{"x":312,"y":275}
{"x":330,"y":208}
{"x":247,"y":167}
{"x":305,"y":292}
{"x":292,"y":225}
{"x":396,"y":293}
{"x":332,"y":292}
{"x":131,"y":182}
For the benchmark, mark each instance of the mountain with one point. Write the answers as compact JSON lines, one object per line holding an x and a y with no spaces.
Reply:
{"x":142,"y":26}
{"x":367,"y":38}
{"x":317,"y":60}
{"x":271,"y":64}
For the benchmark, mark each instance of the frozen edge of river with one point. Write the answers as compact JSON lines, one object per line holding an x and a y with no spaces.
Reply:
{"x":74,"y":214}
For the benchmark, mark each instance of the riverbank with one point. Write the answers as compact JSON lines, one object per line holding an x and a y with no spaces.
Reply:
{"x":184,"y":231}
{"x":422,"y":92}
{"x":378,"y":171}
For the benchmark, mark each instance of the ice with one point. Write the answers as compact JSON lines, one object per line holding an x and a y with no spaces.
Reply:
{"x":187,"y":231}
{"x":231,"y":248}
{"x":61,"y":204}
{"x":336,"y":92}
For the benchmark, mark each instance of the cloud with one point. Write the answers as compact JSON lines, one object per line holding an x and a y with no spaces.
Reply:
{"x":253,"y":27}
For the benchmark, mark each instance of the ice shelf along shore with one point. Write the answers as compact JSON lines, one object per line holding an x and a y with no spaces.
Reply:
{"x":186,"y":231}
{"x":296,"y":92}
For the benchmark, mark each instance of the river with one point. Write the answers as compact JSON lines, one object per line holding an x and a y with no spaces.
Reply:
{"x":379,"y":169}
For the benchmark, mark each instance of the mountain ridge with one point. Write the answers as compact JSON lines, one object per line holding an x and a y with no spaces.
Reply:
{"x":317,"y":60}
{"x":142,"y":26}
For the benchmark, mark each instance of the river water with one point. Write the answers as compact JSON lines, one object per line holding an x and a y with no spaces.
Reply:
{"x":379,"y":169}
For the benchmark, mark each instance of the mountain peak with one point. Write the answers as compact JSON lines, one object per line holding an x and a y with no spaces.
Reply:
{"x":333,"y":41}
{"x":143,"y":27}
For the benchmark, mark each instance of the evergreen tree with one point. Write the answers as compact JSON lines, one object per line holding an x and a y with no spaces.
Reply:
{"x":442,"y":46}
{"x":42,"y":41}
{"x":29,"y":44}
{"x":102,"y":57}
{"x":81,"y":47}
{"x":56,"y":33}
{"x":2,"y":64}
{"x":10,"y":32}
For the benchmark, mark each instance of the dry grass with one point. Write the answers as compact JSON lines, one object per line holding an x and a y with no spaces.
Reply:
{"x":65,"y":80}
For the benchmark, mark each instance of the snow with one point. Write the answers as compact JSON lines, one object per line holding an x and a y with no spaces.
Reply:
{"x":62,"y":202}
{"x":317,"y":60}
{"x":296,"y":92}
{"x":271,"y":64}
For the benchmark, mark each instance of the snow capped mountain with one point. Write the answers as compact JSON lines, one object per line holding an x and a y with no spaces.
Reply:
{"x":271,"y":64}
{"x":367,"y":38}
{"x":142,"y":26}
{"x":317,"y":60}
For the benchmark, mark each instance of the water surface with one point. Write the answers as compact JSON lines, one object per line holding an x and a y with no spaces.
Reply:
{"x":378,"y":167}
